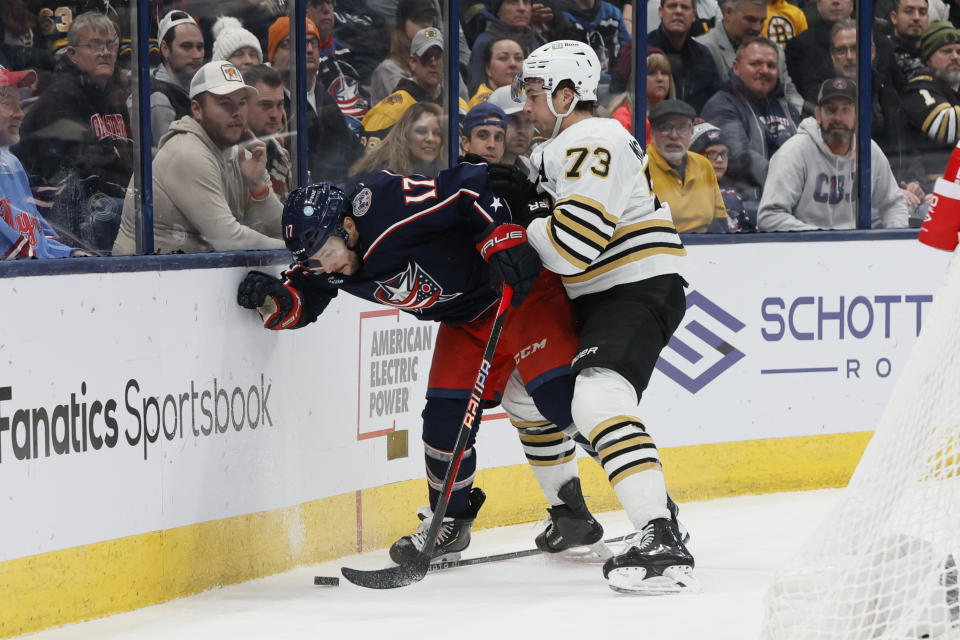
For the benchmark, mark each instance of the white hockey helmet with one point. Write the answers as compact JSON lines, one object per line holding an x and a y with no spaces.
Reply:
{"x":562,"y":60}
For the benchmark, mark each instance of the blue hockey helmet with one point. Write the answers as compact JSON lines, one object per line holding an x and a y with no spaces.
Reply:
{"x":311,"y":215}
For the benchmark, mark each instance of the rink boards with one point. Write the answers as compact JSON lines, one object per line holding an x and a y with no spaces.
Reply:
{"x":156,"y":441}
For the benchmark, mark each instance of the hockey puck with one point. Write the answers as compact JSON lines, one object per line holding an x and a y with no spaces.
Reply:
{"x":326,"y":581}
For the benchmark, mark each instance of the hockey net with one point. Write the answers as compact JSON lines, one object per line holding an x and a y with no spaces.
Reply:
{"x":883,"y":564}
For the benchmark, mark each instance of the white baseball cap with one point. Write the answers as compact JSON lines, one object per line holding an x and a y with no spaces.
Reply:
{"x":502,"y":98}
{"x":219,"y":77}
{"x":424,"y":40}
{"x":171,"y":20}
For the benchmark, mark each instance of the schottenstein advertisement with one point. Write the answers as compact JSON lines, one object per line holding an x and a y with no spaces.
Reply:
{"x":137,"y":402}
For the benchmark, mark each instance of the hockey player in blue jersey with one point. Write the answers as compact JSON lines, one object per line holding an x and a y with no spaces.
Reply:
{"x":438,"y":248}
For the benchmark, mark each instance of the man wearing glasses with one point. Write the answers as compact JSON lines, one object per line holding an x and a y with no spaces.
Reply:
{"x":426,"y":67}
{"x":686,"y":181}
{"x":76,"y":145}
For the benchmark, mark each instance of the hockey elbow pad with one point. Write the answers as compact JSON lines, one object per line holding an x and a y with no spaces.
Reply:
{"x":511,"y":259}
{"x":942,"y":223}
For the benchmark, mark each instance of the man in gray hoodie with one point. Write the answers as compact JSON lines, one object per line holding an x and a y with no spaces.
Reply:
{"x":209,"y":192}
{"x":812,"y":179}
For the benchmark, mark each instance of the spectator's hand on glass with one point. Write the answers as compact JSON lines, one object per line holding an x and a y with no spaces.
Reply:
{"x":912,"y":200}
{"x":913,"y":187}
{"x":541,"y":13}
{"x":253,"y":160}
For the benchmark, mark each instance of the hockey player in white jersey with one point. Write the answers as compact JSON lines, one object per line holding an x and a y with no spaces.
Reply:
{"x":620,"y":259}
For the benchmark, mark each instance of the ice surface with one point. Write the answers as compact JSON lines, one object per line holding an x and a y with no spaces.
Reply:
{"x":737,"y":543}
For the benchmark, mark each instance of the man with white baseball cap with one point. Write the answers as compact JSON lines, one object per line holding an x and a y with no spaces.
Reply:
{"x":519,"y":126}
{"x":181,"y":47}
{"x":210,"y":193}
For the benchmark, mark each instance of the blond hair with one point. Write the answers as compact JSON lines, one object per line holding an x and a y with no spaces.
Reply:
{"x":393,"y":152}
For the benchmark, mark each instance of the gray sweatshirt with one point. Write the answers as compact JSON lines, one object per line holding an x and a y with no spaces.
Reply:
{"x":810,"y":187}
{"x":200,"y":199}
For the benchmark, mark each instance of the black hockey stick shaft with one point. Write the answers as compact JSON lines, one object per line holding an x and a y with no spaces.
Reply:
{"x":404,"y":575}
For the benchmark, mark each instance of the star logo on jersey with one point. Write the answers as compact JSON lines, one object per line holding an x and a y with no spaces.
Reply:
{"x":412,"y":289}
{"x":495,"y":204}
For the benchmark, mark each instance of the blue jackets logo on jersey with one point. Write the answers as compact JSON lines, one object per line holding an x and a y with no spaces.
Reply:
{"x":414,"y":288}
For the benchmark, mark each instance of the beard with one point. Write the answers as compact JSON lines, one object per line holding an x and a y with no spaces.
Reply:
{"x":950,"y":75}
{"x":837,"y":135}
{"x":675,"y":158}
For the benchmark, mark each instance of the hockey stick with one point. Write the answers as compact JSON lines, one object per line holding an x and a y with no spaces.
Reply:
{"x":498,"y":557}
{"x":403,"y":575}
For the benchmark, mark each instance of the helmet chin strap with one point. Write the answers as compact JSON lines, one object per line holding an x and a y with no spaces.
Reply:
{"x":560,"y":117}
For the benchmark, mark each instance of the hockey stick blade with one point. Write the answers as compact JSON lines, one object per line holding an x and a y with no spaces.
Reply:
{"x":391,"y":577}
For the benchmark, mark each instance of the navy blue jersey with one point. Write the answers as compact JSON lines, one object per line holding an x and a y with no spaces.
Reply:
{"x":418,"y":239}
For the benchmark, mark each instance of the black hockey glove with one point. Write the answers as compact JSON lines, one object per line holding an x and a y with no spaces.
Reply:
{"x":278,"y":304}
{"x":526,"y":205}
{"x":511,"y":258}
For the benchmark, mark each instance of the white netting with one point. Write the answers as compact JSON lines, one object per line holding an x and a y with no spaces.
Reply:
{"x":883,"y":564}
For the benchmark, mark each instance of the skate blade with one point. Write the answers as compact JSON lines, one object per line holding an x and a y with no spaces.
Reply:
{"x":634,"y":580}
{"x":595,"y":553}
{"x":444,"y":559}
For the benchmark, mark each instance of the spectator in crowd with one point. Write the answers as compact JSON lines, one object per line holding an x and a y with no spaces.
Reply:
{"x":265,"y":119}
{"x":931,"y":103}
{"x":181,"y":47}
{"x":336,"y":71}
{"x":812,"y":183}
{"x":694,"y":73}
{"x":502,"y":61}
{"x":362,"y":30}
{"x":909,"y":18}
{"x":784,"y":20}
{"x":659,"y":87}
{"x":426,"y":66}
{"x":600,"y":24}
{"x":708,"y":141}
{"x":235,"y":44}
{"x":707,"y":14}
{"x":753,"y":114}
{"x":413,"y":146}
{"x":683,"y":180}
{"x":886,"y":122}
{"x":332,"y":145}
{"x":520,"y":129}
{"x":808,"y":54}
{"x":412,"y":16}
{"x":210,"y":193}
{"x":742,"y":21}
{"x":530,"y":24}
{"x":76,"y":146}
{"x":484,"y":131}
{"x":23,"y":231}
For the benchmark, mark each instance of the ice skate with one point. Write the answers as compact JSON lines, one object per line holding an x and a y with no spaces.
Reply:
{"x":674,"y":513}
{"x":454,"y":535}
{"x":571,"y":524}
{"x":655,"y":562}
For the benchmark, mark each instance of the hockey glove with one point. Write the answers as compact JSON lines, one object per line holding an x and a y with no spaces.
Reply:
{"x":511,"y":259}
{"x":526,"y":205}
{"x":942,"y":223}
{"x":278,"y":304}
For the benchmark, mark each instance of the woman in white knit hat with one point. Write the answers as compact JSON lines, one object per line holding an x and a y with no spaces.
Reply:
{"x":234,"y":43}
